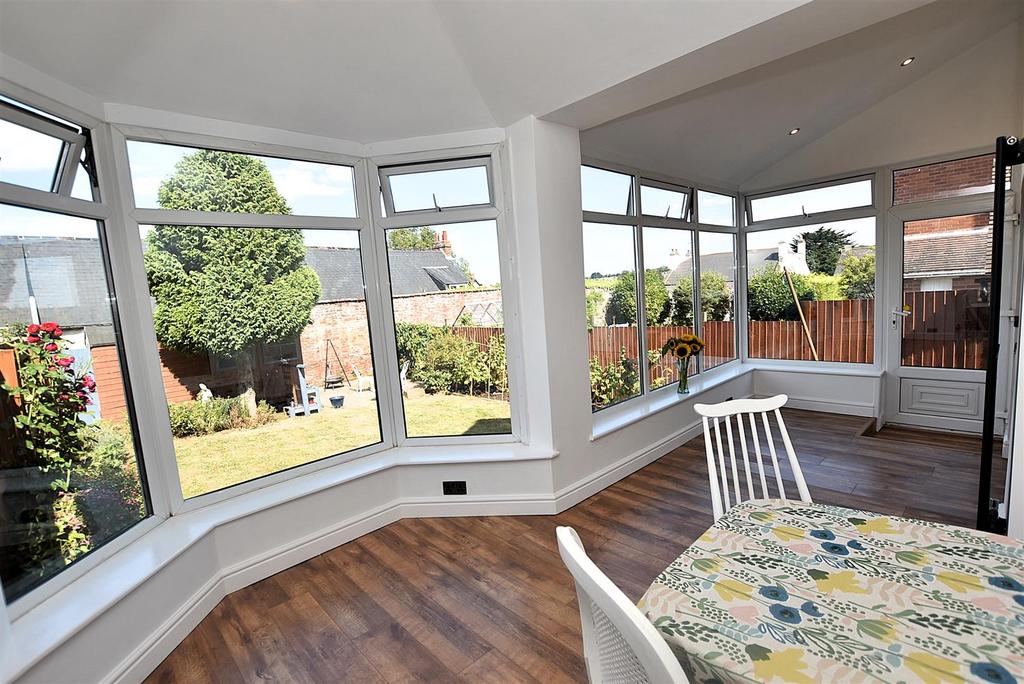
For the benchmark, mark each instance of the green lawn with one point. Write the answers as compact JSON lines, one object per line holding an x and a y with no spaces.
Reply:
{"x":225,"y":458}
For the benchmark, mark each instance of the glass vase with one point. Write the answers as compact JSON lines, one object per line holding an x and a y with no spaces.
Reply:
{"x":682,"y":365}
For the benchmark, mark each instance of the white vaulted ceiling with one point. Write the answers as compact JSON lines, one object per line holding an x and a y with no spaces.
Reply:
{"x":731,"y":130}
{"x":361,"y":70}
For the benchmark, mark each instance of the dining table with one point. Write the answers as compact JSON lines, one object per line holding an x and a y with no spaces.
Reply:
{"x":793,"y":591}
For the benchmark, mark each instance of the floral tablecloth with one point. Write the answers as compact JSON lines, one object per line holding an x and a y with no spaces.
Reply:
{"x":799,"y":592}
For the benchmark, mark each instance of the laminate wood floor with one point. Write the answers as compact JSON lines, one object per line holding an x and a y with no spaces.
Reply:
{"x":486,"y":599}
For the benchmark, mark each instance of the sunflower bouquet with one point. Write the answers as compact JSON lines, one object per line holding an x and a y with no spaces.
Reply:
{"x":682,"y":348}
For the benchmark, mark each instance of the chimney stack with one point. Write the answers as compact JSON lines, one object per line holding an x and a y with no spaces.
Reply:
{"x":442,"y":243}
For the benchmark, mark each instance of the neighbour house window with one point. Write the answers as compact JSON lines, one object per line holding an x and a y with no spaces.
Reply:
{"x":668,"y":290}
{"x":811,"y":291}
{"x":815,"y":200}
{"x":70,"y":477}
{"x":171,"y":177}
{"x":955,"y":178}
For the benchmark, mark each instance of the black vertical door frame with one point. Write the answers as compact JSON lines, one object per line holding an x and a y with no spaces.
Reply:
{"x":1009,"y":152}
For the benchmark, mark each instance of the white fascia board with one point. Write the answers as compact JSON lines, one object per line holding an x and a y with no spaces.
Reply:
{"x":444,"y":141}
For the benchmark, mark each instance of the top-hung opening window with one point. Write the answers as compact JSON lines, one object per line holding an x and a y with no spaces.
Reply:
{"x":810,"y":200}
{"x":437,"y":186}
{"x":665,"y":200}
{"x":42,"y":152}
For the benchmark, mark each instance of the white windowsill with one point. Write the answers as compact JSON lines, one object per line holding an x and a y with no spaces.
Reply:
{"x":633,"y":411}
{"x":43,"y":628}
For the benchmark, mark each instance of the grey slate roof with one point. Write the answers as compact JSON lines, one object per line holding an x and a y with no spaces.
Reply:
{"x":721,"y":262}
{"x":67,"y":278}
{"x":416,"y":271}
{"x":69,"y":282}
{"x":968,"y":253}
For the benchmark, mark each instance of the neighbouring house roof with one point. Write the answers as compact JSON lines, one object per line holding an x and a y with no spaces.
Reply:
{"x":949,"y":254}
{"x":70,"y":287}
{"x":68,"y":281}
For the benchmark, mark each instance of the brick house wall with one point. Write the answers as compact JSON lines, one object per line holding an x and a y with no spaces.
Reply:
{"x":342,"y":322}
{"x":947,"y":224}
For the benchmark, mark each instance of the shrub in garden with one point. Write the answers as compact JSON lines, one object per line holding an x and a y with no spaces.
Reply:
{"x":622,"y":301}
{"x":411,"y":340}
{"x":616,"y":381}
{"x":857,"y":275}
{"x":193,"y":418}
{"x":824,"y":287}
{"x":769,"y":297}
{"x":715,"y":299}
{"x":451,"y":363}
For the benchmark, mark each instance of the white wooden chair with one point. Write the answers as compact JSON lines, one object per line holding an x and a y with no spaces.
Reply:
{"x":620,"y":645}
{"x":718,"y":474}
{"x":402,"y":378}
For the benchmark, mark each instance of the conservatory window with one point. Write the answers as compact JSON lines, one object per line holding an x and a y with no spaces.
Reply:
{"x":955,"y":178}
{"x":450,"y":329}
{"x":811,"y":292}
{"x":262,"y":333}
{"x":72,"y":478}
{"x":717,"y":262}
{"x":177,"y":177}
{"x":606,"y":192}
{"x":815,"y":200}
{"x":716,"y":209}
{"x":609,"y":271}
{"x":664,"y":200}
{"x":434,"y":186}
{"x":41,"y":152}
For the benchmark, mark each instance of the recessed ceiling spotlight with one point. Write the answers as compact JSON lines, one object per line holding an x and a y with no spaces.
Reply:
{"x":794,"y":131}
{"x":908,"y":61}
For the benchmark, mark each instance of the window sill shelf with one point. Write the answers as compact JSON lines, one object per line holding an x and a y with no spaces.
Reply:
{"x":43,"y":628}
{"x":636,"y":410}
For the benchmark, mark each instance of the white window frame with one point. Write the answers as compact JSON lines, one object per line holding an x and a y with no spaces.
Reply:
{"x":386,"y":171}
{"x":106,"y":213}
{"x":638,"y":221}
{"x":74,"y":142}
{"x":143,"y":216}
{"x":378,"y":169}
{"x":687,"y":191}
{"x":823,"y":216}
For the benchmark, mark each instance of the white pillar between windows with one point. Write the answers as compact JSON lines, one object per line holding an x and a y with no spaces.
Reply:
{"x":545,"y":182}
{"x":5,"y":629}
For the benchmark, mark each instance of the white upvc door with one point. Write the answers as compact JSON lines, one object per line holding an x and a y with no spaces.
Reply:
{"x":936,"y":257}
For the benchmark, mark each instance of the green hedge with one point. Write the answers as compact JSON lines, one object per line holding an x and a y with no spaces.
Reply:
{"x":192,"y":418}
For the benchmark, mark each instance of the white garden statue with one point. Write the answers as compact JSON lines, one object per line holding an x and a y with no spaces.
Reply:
{"x":205,"y":394}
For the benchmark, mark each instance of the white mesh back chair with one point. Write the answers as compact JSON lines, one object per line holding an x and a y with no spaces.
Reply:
{"x":620,"y":645}
{"x":718,"y":472}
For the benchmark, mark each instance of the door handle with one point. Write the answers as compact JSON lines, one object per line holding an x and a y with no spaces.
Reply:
{"x":896,"y":312}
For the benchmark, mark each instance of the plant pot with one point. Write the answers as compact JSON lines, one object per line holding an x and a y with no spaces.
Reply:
{"x":337,"y":402}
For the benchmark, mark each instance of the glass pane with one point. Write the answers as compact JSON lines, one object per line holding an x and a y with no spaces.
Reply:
{"x":28,"y":157}
{"x":187,"y":178}
{"x":264,"y":348}
{"x":830,"y":270}
{"x":606,"y":191}
{"x":82,"y":188}
{"x":715,"y":209}
{"x":668,"y":298}
{"x":446,"y":188}
{"x":717,"y":300}
{"x":813,"y":201}
{"x":609,"y":272}
{"x":955,"y":178}
{"x":450,"y":329}
{"x":946,"y":281}
{"x":62,"y":494}
{"x":664,"y":203}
